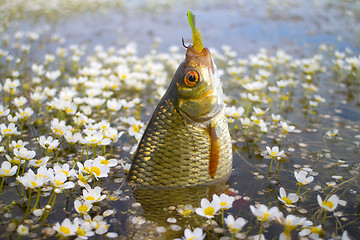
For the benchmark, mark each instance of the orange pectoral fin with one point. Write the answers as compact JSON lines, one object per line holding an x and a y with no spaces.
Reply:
{"x":214,"y":151}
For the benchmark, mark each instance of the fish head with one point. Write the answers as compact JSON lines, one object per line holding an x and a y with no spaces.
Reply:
{"x":197,"y":87}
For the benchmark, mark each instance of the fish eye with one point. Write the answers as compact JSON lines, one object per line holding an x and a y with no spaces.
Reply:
{"x":191,"y":78}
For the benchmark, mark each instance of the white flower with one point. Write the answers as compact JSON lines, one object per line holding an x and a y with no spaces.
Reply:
{"x":287,"y":128}
{"x":274,"y":152}
{"x":53,"y":75}
{"x":94,"y":168}
{"x":330,"y":204}
{"x":185,"y":210}
{"x":234,"y":112}
{"x":245,"y":122}
{"x":58,"y":181}
{"x":72,"y":138}
{"x":275,"y":118}
{"x":82,"y":207}
{"x":224,"y":200}
{"x":59,"y":128}
{"x":39,"y":162}
{"x":113,"y":134}
{"x":48,"y":143}
{"x":93,"y":194}
{"x":67,"y":228}
{"x":20,"y":101}
{"x":84,"y":229}
{"x":208,"y":209}
{"x":9,"y":130}
{"x":6,"y":170}
{"x":259,"y":111}
{"x":235,"y":225}
{"x":24,"y":114}
{"x":18,"y":144}
{"x":110,"y":162}
{"x":30,"y":180}
{"x":65,"y":168}
{"x":24,"y":154}
{"x":288,"y":200}
{"x":4,"y":111}
{"x":22,"y":230}
{"x":332,"y":133}
{"x":313,"y":232}
{"x":113,"y":105}
{"x":197,"y":234}
{"x":263,"y":213}
{"x":290,"y":222}
{"x":301,"y":177}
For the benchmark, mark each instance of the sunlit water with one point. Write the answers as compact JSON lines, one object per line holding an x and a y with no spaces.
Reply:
{"x":298,"y":29}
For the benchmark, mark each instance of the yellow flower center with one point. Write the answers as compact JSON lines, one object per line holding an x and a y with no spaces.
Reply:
{"x":83,"y":208}
{"x":91,"y":198}
{"x":266,"y":216}
{"x":80,"y":232}
{"x":6,"y":171}
{"x":287,"y":200}
{"x":186,"y":212}
{"x":104,"y":161}
{"x":192,"y":238}
{"x":65,"y":230}
{"x":223,"y":204}
{"x":82,"y":179}
{"x":95,"y":170}
{"x":209,"y":211}
{"x":328,"y":204}
{"x":7,"y":130}
{"x":33,"y":183}
{"x":136,"y":128}
{"x":316,"y":230}
{"x":66,"y":172}
{"x":58,"y":182}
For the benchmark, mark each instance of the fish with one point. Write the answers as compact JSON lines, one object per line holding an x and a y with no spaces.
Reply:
{"x":187,"y":139}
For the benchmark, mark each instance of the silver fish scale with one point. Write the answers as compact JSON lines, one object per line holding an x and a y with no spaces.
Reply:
{"x":175,"y":151}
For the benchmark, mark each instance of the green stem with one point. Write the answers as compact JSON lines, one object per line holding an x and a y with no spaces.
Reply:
{"x":297,"y":193}
{"x":323,"y":221}
{"x":48,"y":212}
{"x":94,"y":151}
{"x":8,"y":143}
{"x":56,"y":156}
{"x":28,"y":206}
{"x":111,"y":149}
{"x":277,"y":165}
{"x":272,"y":159}
{"x":37,"y":200}
{"x":222,"y":217}
{"x":23,"y":170}
{"x":2,"y":184}
{"x":261,"y":229}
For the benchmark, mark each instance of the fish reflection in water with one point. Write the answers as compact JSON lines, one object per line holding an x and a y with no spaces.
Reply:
{"x":155,"y":203}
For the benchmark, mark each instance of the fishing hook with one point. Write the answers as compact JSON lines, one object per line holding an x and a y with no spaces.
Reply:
{"x":183,"y":43}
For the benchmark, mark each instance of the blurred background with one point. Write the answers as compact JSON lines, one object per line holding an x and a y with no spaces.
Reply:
{"x":298,"y":27}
